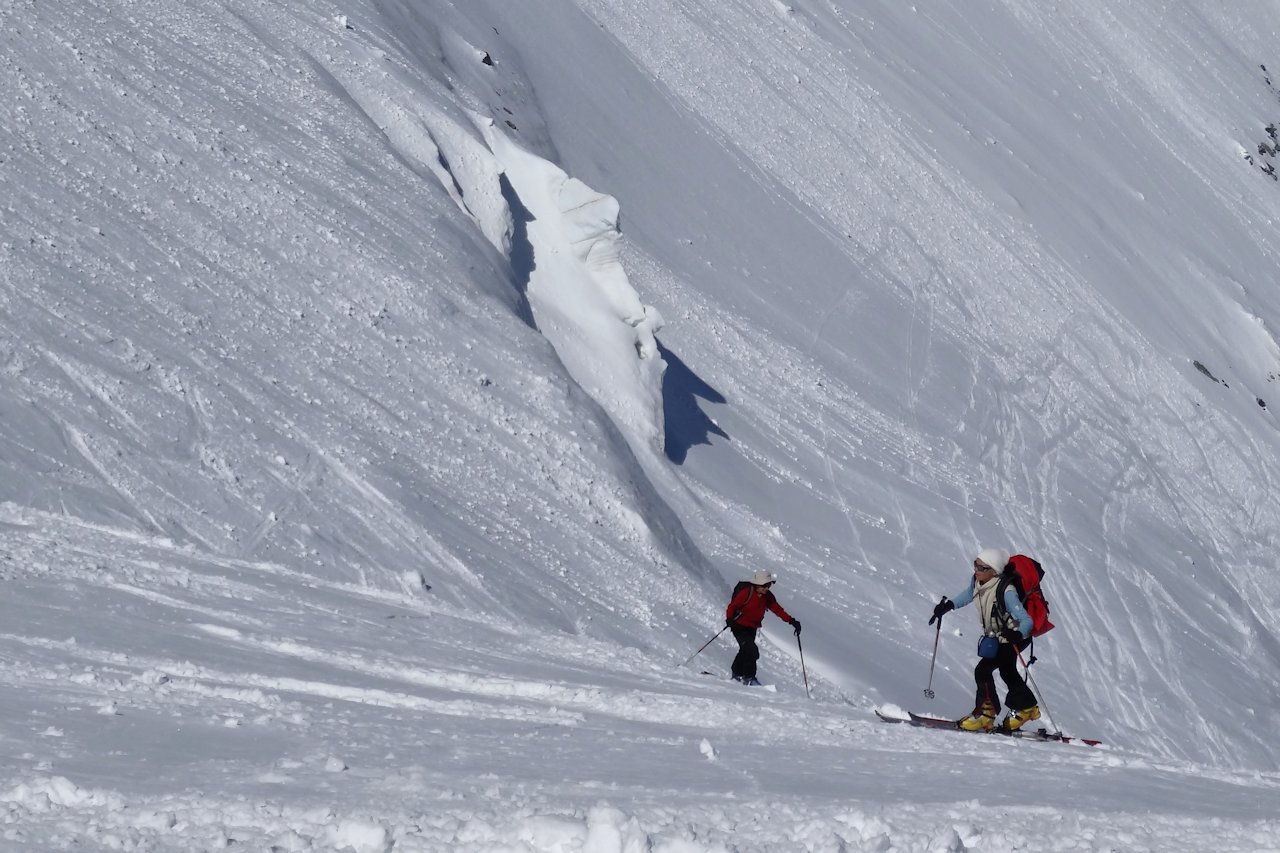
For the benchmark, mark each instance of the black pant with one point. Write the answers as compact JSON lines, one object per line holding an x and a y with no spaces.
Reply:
{"x":1019,"y":697}
{"x":744,"y":665}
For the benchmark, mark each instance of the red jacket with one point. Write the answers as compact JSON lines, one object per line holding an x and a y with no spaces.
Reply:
{"x":752,"y":606}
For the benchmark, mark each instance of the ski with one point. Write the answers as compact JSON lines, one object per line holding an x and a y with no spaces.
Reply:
{"x":771,"y":688}
{"x":1041,"y":734}
{"x":933,"y":722}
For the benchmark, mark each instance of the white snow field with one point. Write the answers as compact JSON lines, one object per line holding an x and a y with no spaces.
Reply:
{"x":391,"y":392}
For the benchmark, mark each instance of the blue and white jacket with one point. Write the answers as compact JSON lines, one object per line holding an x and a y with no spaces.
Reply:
{"x":986,"y":595}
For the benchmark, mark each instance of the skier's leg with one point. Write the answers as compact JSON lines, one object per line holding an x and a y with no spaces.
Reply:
{"x":985,"y":699}
{"x":744,"y":665}
{"x":1019,"y":696}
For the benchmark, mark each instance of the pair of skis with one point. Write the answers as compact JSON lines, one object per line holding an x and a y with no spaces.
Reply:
{"x":1041,"y":734}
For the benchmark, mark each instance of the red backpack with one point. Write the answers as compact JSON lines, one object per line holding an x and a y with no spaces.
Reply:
{"x":1025,"y":574}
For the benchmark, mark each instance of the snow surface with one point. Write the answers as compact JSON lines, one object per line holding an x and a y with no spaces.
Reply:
{"x":391,"y":392}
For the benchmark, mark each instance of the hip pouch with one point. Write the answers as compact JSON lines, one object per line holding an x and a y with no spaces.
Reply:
{"x":988,"y":647}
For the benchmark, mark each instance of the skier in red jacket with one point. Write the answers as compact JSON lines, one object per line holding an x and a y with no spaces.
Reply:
{"x":745,"y":614}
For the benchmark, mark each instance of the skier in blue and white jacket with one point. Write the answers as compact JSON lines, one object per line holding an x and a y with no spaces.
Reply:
{"x":1006,"y":629}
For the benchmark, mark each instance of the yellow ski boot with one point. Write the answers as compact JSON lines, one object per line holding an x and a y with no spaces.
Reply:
{"x":1018,"y":719}
{"x":982,"y":719}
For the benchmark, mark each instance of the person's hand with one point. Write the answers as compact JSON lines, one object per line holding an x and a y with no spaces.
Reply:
{"x":795,"y":623}
{"x":1013,"y":635}
{"x":728,"y":623}
{"x":942,"y":608}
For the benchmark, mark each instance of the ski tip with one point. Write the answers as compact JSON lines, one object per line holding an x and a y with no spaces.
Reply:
{"x":933,"y":722}
{"x":891,"y":714}
{"x":890,"y":710}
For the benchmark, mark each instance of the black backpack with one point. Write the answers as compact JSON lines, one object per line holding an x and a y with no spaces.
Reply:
{"x":737,"y":589}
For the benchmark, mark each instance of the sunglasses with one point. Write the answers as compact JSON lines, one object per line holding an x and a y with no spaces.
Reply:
{"x":981,"y":567}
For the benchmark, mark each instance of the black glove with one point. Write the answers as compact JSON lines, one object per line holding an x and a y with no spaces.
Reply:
{"x":795,"y":623}
{"x":942,"y":608}
{"x":728,"y":623}
{"x":1013,"y":635}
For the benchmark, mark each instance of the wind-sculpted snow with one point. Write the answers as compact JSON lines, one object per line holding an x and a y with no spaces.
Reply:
{"x":580,"y":294}
{"x":335,"y":512}
{"x":278,"y":333}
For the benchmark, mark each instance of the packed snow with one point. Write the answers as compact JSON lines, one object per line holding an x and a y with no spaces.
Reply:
{"x":392,"y":391}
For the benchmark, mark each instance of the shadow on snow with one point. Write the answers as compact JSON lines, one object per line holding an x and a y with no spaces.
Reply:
{"x":686,"y":424}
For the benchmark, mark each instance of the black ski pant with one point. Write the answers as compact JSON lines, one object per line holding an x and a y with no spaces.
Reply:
{"x":1019,"y":697}
{"x":744,"y":665}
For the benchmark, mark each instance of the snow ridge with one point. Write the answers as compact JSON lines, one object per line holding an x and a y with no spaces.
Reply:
{"x":580,"y":294}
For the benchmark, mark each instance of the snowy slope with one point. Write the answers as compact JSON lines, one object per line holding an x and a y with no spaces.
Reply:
{"x":393,"y":390}
{"x":968,"y":246}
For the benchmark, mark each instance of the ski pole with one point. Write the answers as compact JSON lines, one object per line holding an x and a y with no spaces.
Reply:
{"x":1035,"y":689}
{"x":704,"y":645}
{"x":803,"y":671}
{"x":928,"y":691}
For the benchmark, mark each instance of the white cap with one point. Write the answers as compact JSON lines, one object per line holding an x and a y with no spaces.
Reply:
{"x":762,"y":577}
{"x":996,"y":558}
